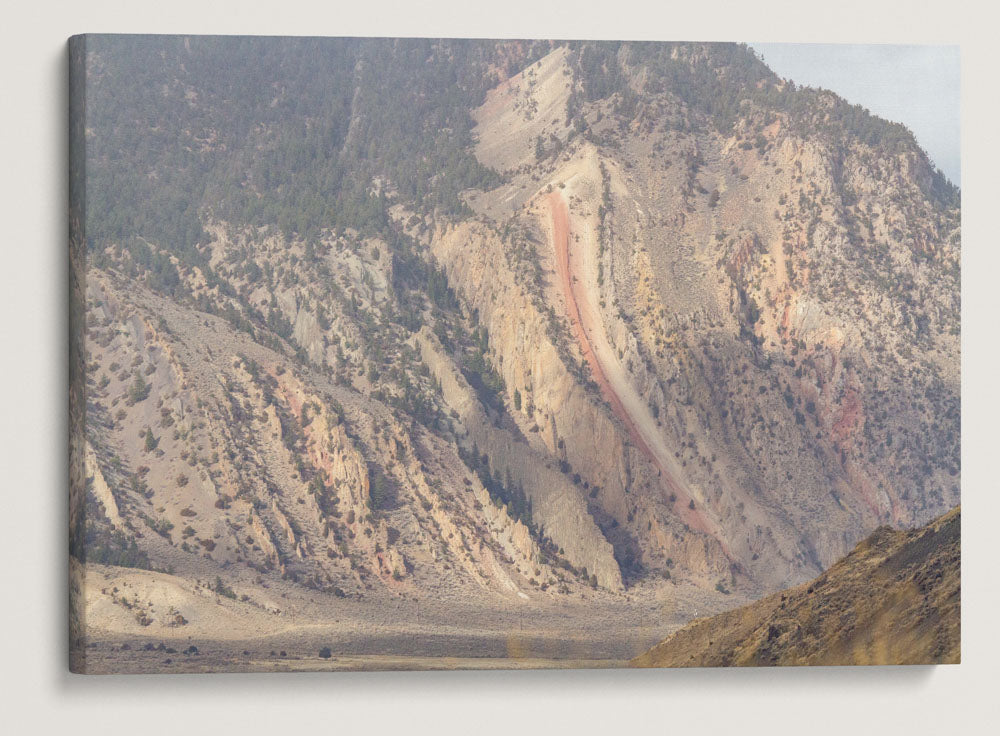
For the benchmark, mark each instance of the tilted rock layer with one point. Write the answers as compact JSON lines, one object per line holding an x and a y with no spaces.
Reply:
{"x":690,"y":333}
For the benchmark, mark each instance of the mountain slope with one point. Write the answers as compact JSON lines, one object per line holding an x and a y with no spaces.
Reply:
{"x":738,"y":269}
{"x":522,"y":325}
{"x":896,"y":599}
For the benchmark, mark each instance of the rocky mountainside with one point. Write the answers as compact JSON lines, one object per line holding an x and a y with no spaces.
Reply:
{"x":895,"y":599}
{"x":517,"y":323}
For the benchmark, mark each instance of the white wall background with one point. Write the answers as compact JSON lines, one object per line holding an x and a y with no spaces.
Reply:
{"x":37,"y":695}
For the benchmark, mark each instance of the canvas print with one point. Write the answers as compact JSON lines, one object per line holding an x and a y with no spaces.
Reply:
{"x":422,"y":354}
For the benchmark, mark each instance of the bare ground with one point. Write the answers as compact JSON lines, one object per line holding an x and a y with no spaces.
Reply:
{"x":385,"y":632}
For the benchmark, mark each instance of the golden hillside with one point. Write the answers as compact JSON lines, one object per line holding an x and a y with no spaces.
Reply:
{"x":896,"y":599}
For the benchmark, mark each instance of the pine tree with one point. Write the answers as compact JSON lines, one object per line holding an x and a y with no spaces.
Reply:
{"x":151,"y":441}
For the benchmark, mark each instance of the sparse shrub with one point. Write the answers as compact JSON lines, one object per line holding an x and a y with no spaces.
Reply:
{"x":222,"y":589}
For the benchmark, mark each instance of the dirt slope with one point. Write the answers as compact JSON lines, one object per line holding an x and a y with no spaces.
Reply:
{"x":894,"y":600}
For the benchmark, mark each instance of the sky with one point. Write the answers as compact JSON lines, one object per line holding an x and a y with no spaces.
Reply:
{"x":917,"y":86}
